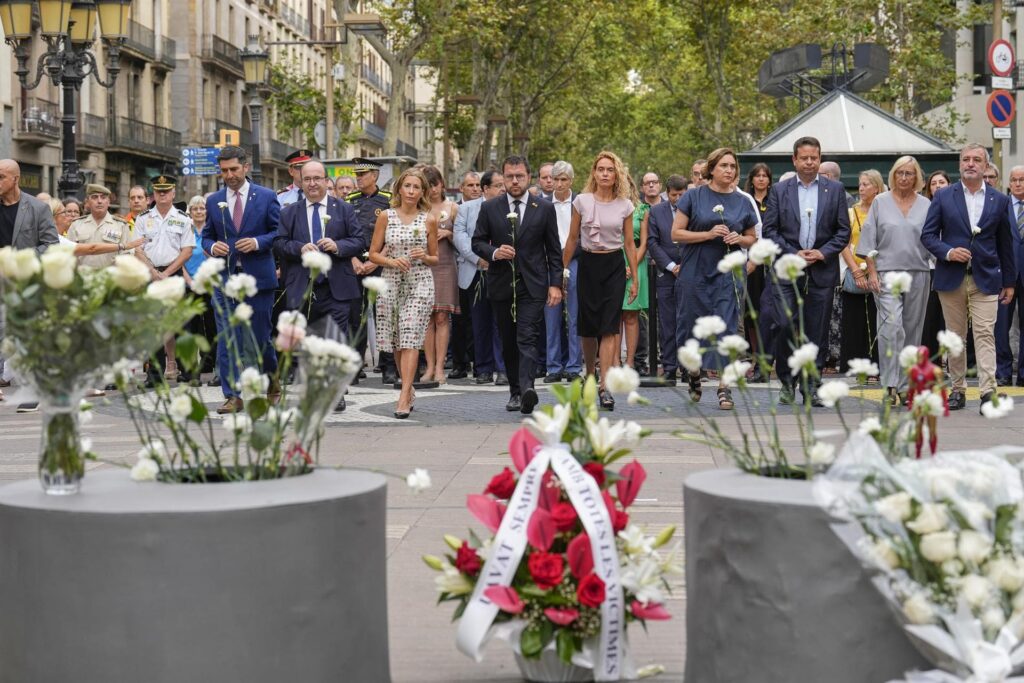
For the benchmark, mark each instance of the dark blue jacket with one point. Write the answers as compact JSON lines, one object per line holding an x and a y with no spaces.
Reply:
{"x":260,"y":220}
{"x":659,"y":242}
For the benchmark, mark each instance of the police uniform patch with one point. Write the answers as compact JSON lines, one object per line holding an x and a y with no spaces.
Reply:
{"x":376,"y":212}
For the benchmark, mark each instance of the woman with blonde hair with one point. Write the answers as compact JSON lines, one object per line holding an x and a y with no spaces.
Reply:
{"x":712,"y":220}
{"x":602,"y":223}
{"x":898,"y":269}
{"x":405,"y":244}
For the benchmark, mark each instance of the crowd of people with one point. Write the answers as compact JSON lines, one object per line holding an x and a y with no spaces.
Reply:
{"x":524,"y":279}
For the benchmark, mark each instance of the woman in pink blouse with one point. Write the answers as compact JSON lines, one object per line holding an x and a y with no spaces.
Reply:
{"x":601,"y":216}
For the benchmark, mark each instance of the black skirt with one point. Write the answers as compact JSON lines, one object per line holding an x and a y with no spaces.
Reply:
{"x":600,"y":289}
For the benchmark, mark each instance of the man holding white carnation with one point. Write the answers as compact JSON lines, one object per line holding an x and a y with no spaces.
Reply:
{"x":320,"y":234}
{"x":967,"y":230}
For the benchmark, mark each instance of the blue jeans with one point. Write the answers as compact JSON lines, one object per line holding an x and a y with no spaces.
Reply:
{"x":564,"y":355}
{"x":262,"y":310}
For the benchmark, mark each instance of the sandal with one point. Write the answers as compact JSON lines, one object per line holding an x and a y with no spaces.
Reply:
{"x":695,"y":389}
{"x":725,"y":401}
{"x":606,"y":399}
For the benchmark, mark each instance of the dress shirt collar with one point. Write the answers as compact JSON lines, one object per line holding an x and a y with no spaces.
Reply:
{"x":243,"y":191}
{"x":809,"y":185}
{"x":967,"y":190}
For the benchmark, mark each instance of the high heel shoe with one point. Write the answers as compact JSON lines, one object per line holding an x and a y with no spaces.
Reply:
{"x":401,"y":414}
{"x":412,"y":401}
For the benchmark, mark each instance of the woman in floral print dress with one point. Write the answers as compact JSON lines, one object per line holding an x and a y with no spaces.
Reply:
{"x":405,"y":243}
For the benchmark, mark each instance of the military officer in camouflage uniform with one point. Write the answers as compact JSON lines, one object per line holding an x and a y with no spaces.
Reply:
{"x":293,"y":192}
{"x":99,"y":226}
{"x":369,"y":201}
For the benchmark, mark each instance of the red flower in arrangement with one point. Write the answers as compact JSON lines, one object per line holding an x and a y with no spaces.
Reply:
{"x":591,"y":591}
{"x":596,"y":470}
{"x":467,"y":560}
{"x":505,"y":598}
{"x":297,"y":451}
{"x":652,"y":612}
{"x":628,"y":486}
{"x":521,"y":447}
{"x":581,"y":559}
{"x":502,"y":485}
{"x":563,"y":616}
{"x":540,"y":531}
{"x":487,"y":510}
{"x":550,"y":493}
{"x":564,"y":516}
{"x":620,"y":520}
{"x":546,"y":570}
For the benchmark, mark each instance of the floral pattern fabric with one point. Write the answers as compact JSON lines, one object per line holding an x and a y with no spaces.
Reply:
{"x":403,"y":310}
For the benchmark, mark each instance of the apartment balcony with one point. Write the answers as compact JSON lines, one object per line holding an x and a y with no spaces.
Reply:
{"x":39,"y":121}
{"x":375,"y":80}
{"x":407,"y":150}
{"x":269,"y":5}
{"x":372,"y":132}
{"x":134,"y":136}
{"x":141,"y":41}
{"x":168,"y":54}
{"x":279,"y":150}
{"x":222,"y":54}
{"x":93,"y":132}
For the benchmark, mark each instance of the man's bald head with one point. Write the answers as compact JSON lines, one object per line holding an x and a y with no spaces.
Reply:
{"x":10,"y":174}
{"x":10,"y":167}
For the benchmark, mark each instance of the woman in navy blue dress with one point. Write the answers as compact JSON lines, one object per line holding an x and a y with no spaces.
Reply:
{"x":712,"y":220}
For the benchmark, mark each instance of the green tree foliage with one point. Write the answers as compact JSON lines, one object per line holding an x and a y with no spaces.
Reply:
{"x":299,"y":104}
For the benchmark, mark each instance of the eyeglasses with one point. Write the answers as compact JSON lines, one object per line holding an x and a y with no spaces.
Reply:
{"x":989,"y":176}
{"x":59,"y":213}
{"x":314,"y":179}
{"x":652,"y":182}
{"x":906,"y":174}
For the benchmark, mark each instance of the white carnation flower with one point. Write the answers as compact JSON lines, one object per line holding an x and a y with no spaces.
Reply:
{"x":512,"y":215}
{"x":975,"y":230}
{"x":240,"y":286}
{"x":734,"y":372}
{"x":951,"y":343}
{"x":908,"y":356}
{"x":418,"y":480}
{"x":145,"y":469}
{"x":316,"y":261}
{"x":252,"y":383}
{"x":18,"y":264}
{"x":180,"y":408}
{"x":635,"y":399}
{"x":208,"y":277}
{"x":239,"y":423}
{"x":897,"y":282}
{"x":58,"y":266}
{"x":170,"y":290}
{"x":976,"y":590}
{"x":932,"y":517}
{"x":243,"y":312}
{"x":291,"y":318}
{"x":790,"y":267}
{"x":708,"y":326}
{"x":973,"y":547}
{"x":718,"y":208}
{"x":129,"y":273}
{"x":622,"y":380}
{"x":928,"y":403}
{"x":873,"y":254}
{"x":732,"y":261}
{"x":222,"y":205}
{"x":821,"y":453}
{"x":938,"y":546}
{"x":764,"y":251}
{"x":804,"y":358}
{"x":831,"y":392}
{"x":862,"y":367}
{"x":895,"y":508}
{"x":869,"y":426}
{"x":999,"y":406}
{"x":375,"y":284}
{"x":689,"y":356}
{"x":732,"y":344}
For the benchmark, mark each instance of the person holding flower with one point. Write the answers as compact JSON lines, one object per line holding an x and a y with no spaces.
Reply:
{"x":713,"y":221}
{"x":602,"y":222}
{"x":405,"y":244}
{"x":897,"y":268}
{"x":857,"y":320}
{"x":446,"y":282}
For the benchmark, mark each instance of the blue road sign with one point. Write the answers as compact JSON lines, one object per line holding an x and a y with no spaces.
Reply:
{"x":1000,"y":108}
{"x":199,"y":161}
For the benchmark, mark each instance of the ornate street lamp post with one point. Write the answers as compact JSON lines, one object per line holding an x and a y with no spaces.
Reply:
{"x":254,"y":60}
{"x":68,"y":27}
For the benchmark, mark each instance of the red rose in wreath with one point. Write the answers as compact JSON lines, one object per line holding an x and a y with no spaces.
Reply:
{"x":502,"y":485}
{"x":564,"y":516}
{"x":591,"y":591}
{"x":467,"y":560}
{"x":546,"y":570}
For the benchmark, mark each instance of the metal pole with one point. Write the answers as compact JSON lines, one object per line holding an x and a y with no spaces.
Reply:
{"x":997,"y":34}
{"x":255,"y":114}
{"x":329,"y":147}
{"x":70,"y":183}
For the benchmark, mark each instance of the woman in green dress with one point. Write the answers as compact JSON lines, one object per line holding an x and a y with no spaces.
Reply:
{"x":631,"y":310}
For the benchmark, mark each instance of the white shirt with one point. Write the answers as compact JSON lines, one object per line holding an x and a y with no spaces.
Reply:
{"x":975,"y":203}
{"x":243,"y":192}
{"x":309,"y":217}
{"x":524,"y":200}
{"x":166,"y":235}
{"x":563,"y":212}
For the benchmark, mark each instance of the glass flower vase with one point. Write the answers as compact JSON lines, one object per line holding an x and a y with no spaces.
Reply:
{"x":61,"y":456}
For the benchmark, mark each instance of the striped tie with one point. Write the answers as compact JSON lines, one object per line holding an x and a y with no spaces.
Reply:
{"x":1020,"y":218}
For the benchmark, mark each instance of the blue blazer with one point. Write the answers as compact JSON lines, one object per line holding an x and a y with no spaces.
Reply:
{"x":462,"y":239}
{"x":260,"y":220}
{"x":659,"y":242}
{"x":993,"y":262}
{"x":832,"y":231}
{"x":1018,"y":244}
{"x":293,"y":235}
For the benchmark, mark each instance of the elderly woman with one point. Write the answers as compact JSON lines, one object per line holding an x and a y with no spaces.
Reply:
{"x":204,"y":324}
{"x":898,"y":268}
{"x":859,"y":312}
{"x":712,"y":220}
{"x":602,"y":223}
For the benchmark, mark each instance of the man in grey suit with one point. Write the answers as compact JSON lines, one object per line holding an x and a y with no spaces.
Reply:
{"x":806,"y":216}
{"x":25,"y":223}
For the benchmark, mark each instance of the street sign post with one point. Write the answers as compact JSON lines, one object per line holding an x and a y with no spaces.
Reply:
{"x":1000,"y":108}
{"x":199,"y":161}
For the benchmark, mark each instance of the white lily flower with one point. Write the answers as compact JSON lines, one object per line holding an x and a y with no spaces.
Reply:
{"x":549,"y":428}
{"x":604,"y":436}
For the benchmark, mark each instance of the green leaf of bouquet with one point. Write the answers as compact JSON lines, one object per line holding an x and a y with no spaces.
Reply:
{"x":262,"y":436}
{"x":30,"y":291}
{"x":533,"y":591}
{"x":565,"y":644}
{"x":621,"y":453}
{"x":460,"y":609}
{"x":1004,"y":523}
{"x":530,"y":643}
{"x":186,"y":348}
{"x":547,"y":633}
{"x":257,"y":407}
{"x":561,"y":392}
{"x":99,"y":324}
{"x":199,"y":410}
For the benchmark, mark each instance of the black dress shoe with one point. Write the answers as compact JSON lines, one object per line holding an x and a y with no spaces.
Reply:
{"x":485,"y":378}
{"x":643,"y":370}
{"x":113,"y":387}
{"x":340,"y":407}
{"x":389,"y":376}
{"x":515,"y":404}
{"x":528,"y":402}
{"x":813,"y":400}
{"x":786,"y":396}
{"x":957,"y":400}
{"x":459,"y":373}
{"x":757,"y":377}
{"x":501,"y":380}
{"x":214,"y":381}
{"x":362,"y":373}
{"x":552,"y":377}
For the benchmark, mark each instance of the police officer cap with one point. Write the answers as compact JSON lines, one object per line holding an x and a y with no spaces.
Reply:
{"x":164,"y":182}
{"x":364,"y":165}
{"x":299,"y":156}
{"x":96,"y":188}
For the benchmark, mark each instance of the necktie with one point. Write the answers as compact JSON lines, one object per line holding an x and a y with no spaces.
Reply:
{"x":236,"y":216}
{"x":301,"y":197}
{"x":316,"y":229}
{"x":805,"y":239}
{"x":1020,"y":219}
{"x":519,"y":211}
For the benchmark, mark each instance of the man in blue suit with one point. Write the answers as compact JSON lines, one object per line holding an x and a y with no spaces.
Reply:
{"x":667,"y":256}
{"x":241,"y":224}
{"x":806,"y":216}
{"x":1004,"y":319}
{"x":325,"y":224}
{"x":968,"y":231}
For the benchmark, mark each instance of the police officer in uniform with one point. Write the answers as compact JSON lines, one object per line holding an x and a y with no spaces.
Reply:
{"x":293,"y":192}
{"x":170,"y":240}
{"x":99,"y":226}
{"x":369,"y":201}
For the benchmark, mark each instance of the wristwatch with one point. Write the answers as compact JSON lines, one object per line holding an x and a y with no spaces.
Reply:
{"x":566,"y":274}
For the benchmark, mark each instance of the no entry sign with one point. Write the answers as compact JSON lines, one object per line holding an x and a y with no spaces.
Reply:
{"x":1000,"y":107}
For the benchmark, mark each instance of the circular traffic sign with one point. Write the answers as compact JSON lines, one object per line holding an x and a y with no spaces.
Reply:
{"x":1000,"y":108}
{"x":1000,"y":58}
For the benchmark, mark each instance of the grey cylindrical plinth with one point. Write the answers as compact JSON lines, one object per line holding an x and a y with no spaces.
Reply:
{"x":774,"y":596}
{"x":265,"y":581}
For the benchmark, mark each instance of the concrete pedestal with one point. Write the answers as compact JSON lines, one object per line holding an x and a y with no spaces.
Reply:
{"x":269,"y":581}
{"x":774,"y":596}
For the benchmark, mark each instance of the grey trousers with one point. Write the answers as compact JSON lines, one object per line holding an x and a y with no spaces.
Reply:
{"x":900,"y":321}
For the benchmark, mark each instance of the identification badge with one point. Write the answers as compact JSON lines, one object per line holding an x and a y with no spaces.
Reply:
{"x":112,"y":235}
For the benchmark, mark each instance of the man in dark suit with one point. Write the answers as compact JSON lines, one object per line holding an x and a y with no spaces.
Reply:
{"x":241,"y":224}
{"x":1004,"y":319}
{"x":969,"y":233}
{"x":806,"y":216}
{"x":667,"y":256}
{"x":518,"y":235}
{"x":319,"y":222}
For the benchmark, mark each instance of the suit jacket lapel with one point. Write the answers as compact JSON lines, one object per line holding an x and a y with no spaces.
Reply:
{"x":961,"y":205}
{"x":304,"y":226}
{"x":822,"y":201}
{"x":989,"y":205}
{"x":247,"y":212}
{"x":19,"y":221}
{"x":794,"y":200}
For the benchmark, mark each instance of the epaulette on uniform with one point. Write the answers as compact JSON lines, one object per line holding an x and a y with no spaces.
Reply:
{"x":353,"y":195}
{"x":384,"y":192}
{"x":119,"y":218}
{"x":282,"y":191}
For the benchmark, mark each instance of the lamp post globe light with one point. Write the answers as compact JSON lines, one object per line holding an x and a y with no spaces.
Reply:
{"x":68,"y":27}
{"x":254,"y":60}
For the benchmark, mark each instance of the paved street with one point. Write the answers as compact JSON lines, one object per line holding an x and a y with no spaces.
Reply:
{"x":459,"y":432}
